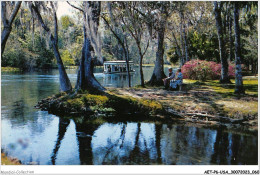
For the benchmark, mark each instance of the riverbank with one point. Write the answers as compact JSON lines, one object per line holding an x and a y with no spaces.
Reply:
{"x":207,"y":103}
{"x":9,"y":160}
{"x":10,"y":69}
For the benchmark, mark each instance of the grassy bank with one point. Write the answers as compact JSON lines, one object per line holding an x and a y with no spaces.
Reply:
{"x":205,"y":101}
{"x":9,"y":69}
{"x":9,"y":161}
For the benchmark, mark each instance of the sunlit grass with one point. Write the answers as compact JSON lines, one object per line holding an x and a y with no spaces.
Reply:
{"x":250,"y":86}
{"x":238,"y":108}
{"x":10,"y":69}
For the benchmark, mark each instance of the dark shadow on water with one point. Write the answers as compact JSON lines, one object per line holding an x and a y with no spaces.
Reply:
{"x":84,"y":133}
{"x":158,"y":130}
{"x":63,"y":125}
{"x":149,"y":143}
{"x":220,"y":148}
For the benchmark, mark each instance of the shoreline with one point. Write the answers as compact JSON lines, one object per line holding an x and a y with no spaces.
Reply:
{"x":199,"y":103}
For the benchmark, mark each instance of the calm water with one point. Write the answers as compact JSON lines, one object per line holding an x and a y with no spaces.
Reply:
{"x":36,"y":136}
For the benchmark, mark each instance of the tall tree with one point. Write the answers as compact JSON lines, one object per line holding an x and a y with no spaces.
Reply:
{"x":230,"y":20}
{"x":135,"y":25}
{"x":223,"y":57}
{"x":86,"y":79}
{"x":184,"y":43}
{"x":160,"y":27}
{"x":181,"y":38}
{"x":122,"y":39}
{"x":239,"y":81}
{"x":65,"y":84}
{"x":7,"y":22}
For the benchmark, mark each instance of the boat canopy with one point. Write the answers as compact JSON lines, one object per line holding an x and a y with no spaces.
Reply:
{"x":117,"y":66}
{"x":117,"y":62}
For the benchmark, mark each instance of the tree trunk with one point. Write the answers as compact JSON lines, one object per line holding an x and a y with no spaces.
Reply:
{"x":239,"y":89}
{"x":141,"y":56}
{"x":185,"y":41}
{"x":224,"y":64}
{"x":178,"y":48}
{"x":231,"y":55}
{"x":65,"y":84}
{"x":86,"y":79}
{"x":186,"y":46}
{"x":81,"y":83}
{"x":4,"y":36}
{"x":181,"y":39}
{"x":92,"y":84}
{"x":141,"y":70}
{"x":158,"y":72}
{"x":126,"y":51}
{"x":7,"y":23}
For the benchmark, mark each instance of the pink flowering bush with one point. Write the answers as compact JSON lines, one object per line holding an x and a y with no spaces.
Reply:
{"x":204,"y":70}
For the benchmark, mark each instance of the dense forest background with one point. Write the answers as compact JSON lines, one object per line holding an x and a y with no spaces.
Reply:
{"x":190,"y":31}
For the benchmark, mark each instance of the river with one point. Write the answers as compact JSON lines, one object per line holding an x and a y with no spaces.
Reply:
{"x":37,"y":137}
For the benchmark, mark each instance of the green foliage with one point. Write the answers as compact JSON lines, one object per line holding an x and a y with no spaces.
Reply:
{"x":45,"y":59}
{"x":249,"y":38}
{"x":203,"y":46}
{"x":27,"y":53}
{"x":16,"y":57}
{"x":67,"y":58}
{"x":34,"y":52}
{"x":66,"y":22}
{"x":107,"y":56}
{"x":172,"y":55}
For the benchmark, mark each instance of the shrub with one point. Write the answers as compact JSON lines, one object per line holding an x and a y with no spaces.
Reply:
{"x":205,"y":70}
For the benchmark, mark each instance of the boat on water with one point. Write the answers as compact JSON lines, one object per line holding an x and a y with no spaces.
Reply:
{"x":111,"y":67}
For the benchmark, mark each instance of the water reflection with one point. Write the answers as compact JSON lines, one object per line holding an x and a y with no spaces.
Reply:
{"x":63,"y":124}
{"x":177,"y":144}
{"x":146,"y":143}
{"x":85,"y":131}
{"x":117,"y":80}
{"x":36,"y":137}
{"x":85,"y":143}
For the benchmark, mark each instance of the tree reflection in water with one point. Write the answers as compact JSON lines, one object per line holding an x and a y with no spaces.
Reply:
{"x":84,"y":132}
{"x":149,"y":143}
{"x":63,"y":125}
{"x":221,"y":147}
